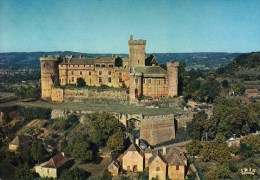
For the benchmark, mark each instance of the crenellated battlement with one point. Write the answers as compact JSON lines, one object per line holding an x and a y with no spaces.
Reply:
{"x":159,"y":118}
{"x":172,"y":64}
{"x":137,"y":42}
{"x":50,"y":57}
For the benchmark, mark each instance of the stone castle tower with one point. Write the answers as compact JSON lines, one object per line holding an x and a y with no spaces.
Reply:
{"x":172,"y":72}
{"x":49,"y":74}
{"x":137,"y":53}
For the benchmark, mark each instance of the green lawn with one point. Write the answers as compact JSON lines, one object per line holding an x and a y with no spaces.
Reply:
{"x":98,"y":107}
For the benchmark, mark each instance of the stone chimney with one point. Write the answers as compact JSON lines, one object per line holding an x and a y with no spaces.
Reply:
{"x":164,"y":151}
{"x":137,"y":142}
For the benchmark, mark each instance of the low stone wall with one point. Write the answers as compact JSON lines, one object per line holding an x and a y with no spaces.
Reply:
{"x":157,"y":129}
{"x":79,"y":95}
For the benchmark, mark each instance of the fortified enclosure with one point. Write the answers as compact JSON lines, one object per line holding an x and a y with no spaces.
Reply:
{"x":141,"y":74}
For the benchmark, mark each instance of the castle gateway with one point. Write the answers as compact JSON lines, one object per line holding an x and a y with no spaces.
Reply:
{"x":141,"y":74}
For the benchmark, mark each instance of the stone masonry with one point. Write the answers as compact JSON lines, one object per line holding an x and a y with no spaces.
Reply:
{"x":139,"y":73}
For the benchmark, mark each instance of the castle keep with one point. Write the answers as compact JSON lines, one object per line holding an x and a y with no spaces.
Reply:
{"x":141,"y":74}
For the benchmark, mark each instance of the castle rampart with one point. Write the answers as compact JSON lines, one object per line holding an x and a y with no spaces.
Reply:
{"x":140,"y":74}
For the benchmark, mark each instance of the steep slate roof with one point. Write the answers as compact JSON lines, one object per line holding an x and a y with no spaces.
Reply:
{"x":157,"y":154}
{"x":77,"y":60}
{"x":88,"y":60}
{"x":175,"y":160}
{"x":148,"y":150}
{"x":20,"y":140}
{"x":133,"y":147}
{"x":151,"y":70}
{"x":251,"y":91}
{"x":56,"y":161}
{"x":104,"y":59}
{"x":113,"y":163}
{"x":171,"y":153}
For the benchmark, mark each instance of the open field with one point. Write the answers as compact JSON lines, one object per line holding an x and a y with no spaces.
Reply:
{"x":98,"y":107}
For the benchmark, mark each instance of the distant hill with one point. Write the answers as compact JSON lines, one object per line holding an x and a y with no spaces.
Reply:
{"x":200,"y":60}
{"x":249,"y":61}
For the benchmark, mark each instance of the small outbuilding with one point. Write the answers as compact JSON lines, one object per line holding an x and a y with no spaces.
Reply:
{"x":53,"y":167}
{"x":113,"y":168}
{"x":19,"y":140}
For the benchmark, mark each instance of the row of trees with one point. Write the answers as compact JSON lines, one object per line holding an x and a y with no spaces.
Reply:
{"x":229,"y":117}
{"x":101,"y":130}
{"x":219,"y":153}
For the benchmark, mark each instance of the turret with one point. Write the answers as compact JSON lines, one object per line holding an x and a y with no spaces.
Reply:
{"x":49,"y":75}
{"x":172,"y":72}
{"x":136,"y":52}
{"x":135,"y":89}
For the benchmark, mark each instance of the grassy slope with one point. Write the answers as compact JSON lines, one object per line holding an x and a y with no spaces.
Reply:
{"x":98,"y":107}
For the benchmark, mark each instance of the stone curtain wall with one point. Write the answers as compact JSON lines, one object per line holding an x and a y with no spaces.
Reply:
{"x":57,"y":95}
{"x":60,"y":95}
{"x":157,"y":129}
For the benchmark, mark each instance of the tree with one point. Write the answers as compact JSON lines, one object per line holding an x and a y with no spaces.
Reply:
{"x":116,"y":141}
{"x":81,"y":82}
{"x":23,"y":172}
{"x":37,"y":150}
{"x":225,"y":84}
{"x":75,"y":174}
{"x":214,"y":151}
{"x":194,"y":148}
{"x":103,"y":125}
{"x":79,"y":147}
{"x":209,"y":90}
{"x":198,"y":126}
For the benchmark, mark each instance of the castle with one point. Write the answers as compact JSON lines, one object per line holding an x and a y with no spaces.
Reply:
{"x":141,"y":74}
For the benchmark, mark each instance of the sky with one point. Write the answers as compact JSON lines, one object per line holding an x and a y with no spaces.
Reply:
{"x":104,"y":26}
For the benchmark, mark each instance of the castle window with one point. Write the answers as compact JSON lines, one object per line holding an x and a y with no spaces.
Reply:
{"x":144,"y":81}
{"x":71,"y":72}
{"x":84,"y":65}
{"x":72,"y":79}
{"x":138,"y":61}
{"x":110,"y":65}
{"x":109,"y":80}
{"x":136,"y":81}
{"x":157,"y":168}
{"x":149,"y":81}
{"x":43,"y":65}
{"x":120,"y":74}
{"x":100,"y":73}
{"x":120,"y":79}
{"x":89,"y":73}
{"x":73,"y":65}
{"x":109,"y":72}
{"x":177,"y":167}
{"x":103,"y":65}
{"x":100,"y":79}
{"x":80,"y":72}
{"x":97,"y":65}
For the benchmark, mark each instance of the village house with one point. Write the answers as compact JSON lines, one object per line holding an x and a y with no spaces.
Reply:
{"x":19,"y":140}
{"x":157,"y":167}
{"x":167,"y":162}
{"x":251,"y":93}
{"x":113,"y":168}
{"x":53,"y":167}
{"x":133,"y":159}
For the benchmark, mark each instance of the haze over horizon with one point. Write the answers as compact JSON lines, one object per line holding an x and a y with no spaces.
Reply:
{"x":105,"y":26}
